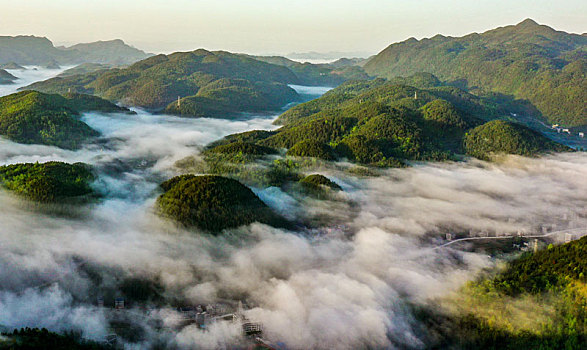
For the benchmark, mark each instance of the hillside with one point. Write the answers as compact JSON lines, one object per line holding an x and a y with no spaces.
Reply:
{"x":212,"y":203}
{"x":6,"y":78}
{"x":32,"y":50}
{"x":320,"y":74}
{"x":229,"y":97}
{"x":527,"y":61}
{"x":386,"y":123}
{"x":36,"y":118}
{"x":48,"y":182}
{"x":210,"y":83}
{"x":537,"y":302}
{"x":84,"y":68}
{"x":498,"y":136}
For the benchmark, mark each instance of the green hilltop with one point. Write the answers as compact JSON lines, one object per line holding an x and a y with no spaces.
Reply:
{"x":33,"y":117}
{"x":210,"y":84}
{"x":51,"y":182}
{"x":387,"y":123}
{"x":319,"y":74}
{"x":212,"y":203}
{"x":85,"y":68}
{"x":499,"y":136}
{"x":526,"y":61}
{"x":319,"y":186}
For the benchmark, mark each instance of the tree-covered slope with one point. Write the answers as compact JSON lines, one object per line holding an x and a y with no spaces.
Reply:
{"x":36,"y":118}
{"x":212,"y":203}
{"x":386,"y":123}
{"x":50,"y":182}
{"x":528,"y":61}
{"x":538,"y":302}
{"x":318,"y":74}
{"x":210,"y":83}
{"x":501,"y":137}
{"x":84,"y":68}
{"x":226,"y":97}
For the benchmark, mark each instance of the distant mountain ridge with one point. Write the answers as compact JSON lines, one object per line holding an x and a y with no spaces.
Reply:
{"x":527,"y":61}
{"x":6,"y":78}
{"x":333,"y":55}
{"x":32,"y":50}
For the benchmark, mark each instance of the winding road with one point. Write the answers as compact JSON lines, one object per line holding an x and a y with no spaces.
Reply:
{"x":578,"y":232}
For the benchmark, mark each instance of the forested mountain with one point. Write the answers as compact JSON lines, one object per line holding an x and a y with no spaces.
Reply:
{"x":527,"y":61}
{"x":209,"y":84}
{"x":85,"y":68}
{"x":320,"y":74}
{"x":36,"y":118}
{"x":385,"y":123}
{"x":31,"y":50}
{"x":499,"y":136}
{"x":48,"y":182}
{"x":212,"y":203}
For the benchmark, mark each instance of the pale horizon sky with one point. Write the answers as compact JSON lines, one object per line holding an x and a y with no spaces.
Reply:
{"x":275,"y":26}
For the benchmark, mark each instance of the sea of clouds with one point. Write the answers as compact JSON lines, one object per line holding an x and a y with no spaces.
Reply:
{"x":348,"y":287}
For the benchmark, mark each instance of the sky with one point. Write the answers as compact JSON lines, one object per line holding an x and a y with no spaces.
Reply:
{"x":275,"y":26}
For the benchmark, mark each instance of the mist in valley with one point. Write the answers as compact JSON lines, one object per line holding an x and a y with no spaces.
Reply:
{"x":348,"y":285}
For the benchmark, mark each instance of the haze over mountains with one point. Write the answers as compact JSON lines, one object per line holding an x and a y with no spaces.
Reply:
{"x":209,"y":199}
{"x":532,"y":68}
{"x":31,"y":50}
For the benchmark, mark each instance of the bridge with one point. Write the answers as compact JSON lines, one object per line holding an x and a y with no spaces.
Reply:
{"x":576,"y":232}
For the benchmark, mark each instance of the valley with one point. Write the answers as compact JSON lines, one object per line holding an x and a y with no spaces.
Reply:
{"x":416,"y":199}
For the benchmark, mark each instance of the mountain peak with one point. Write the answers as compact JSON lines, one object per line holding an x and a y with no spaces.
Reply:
{"x":528,"y":22}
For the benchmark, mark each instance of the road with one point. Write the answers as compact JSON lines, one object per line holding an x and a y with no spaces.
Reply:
{"x":578,"y":232}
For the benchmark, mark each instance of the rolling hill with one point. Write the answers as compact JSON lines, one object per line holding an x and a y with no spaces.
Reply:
{"x":33,"y":117}
{"x":527,"y":61}
{"x":210,"y":84}
{"x":387,"y":123}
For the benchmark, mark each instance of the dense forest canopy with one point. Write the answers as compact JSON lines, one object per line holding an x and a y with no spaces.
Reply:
{"x":498,"y":136}
{"x":50,"y":182}
{"x":212,"y":203}
{"x":209,"y":84}
{"x":386,"y":123}
{"x":538,"y":302}
{"x":36,"y":118}
{"x":528,"y":61}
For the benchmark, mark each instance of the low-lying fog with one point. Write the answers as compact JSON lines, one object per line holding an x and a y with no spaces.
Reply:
{"x":28,"y":76}
{"x":348,"y":287}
